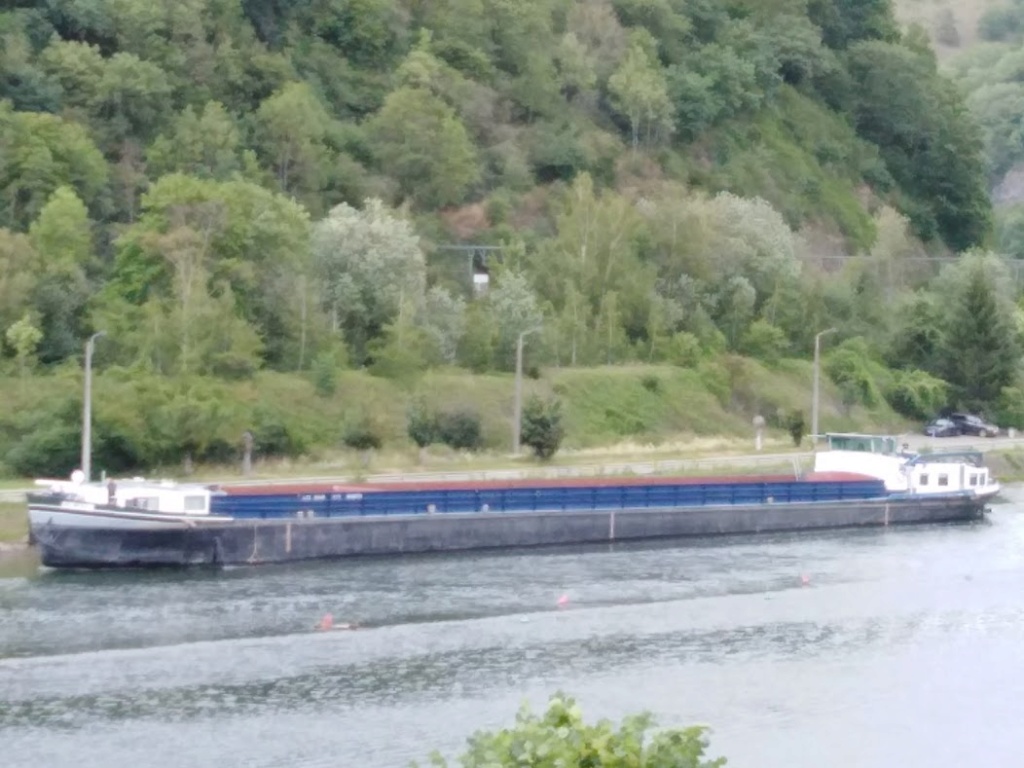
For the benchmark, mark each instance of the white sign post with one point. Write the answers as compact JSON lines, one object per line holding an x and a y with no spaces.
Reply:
{"x":758,"y":431}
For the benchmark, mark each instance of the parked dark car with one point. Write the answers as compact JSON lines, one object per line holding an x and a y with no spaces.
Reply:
{"x":942,"y":428}
{"x":969,"y":424}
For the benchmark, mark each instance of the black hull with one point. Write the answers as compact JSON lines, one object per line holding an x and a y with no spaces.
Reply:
{"x":287,"y":540}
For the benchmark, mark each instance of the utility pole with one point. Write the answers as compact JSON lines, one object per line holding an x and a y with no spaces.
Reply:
{"x":87,"y":408}
{"x":517,"y":417}
{"x":817,"y":366}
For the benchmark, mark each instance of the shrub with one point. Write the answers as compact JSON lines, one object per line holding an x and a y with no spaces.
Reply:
{"x":422,"y":426}
{"x":1010,"y":409}
{"x":764,"y":341}
{"x":542,"y":428}
{"x":361,"y":435}
{"x":460,"y":430}
{"x":650,"y":382}
{"x":560,"y":737}
{"x":324,"y":372}
{"x":797,"y":427}
{"x":917,"y":394}
{"x":50,"y":442}
{"x":851,"y":367}
{"x":274,"y":438}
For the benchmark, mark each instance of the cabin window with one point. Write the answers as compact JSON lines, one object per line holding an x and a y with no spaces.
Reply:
{"x":195,"y":503}
{"x":974,"y":479}
{"x":943,"y":479}
{"x":924,"y":478}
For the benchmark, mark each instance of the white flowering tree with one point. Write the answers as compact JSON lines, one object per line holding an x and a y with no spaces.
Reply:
{"x":370,"y":264}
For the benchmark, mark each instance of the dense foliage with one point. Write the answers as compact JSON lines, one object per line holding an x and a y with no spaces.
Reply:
{"x":560,"y":737}
{"x":230,"y":188}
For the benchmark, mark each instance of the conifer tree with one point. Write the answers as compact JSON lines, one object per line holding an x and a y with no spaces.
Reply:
{"x":981,"y":354}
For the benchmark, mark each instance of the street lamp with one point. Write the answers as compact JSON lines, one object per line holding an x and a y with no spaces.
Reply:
{"x":517,"y":417}
{"x":87,"y":408}
{"x":817,"y":365}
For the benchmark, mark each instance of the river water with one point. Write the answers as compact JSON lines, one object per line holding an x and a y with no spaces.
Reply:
{"x":903,"y":648}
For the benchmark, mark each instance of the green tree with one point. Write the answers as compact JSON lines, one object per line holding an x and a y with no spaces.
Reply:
{"x":639,"y":92}
{"x":209,"y":336}
{"x":445,"y":321}
{"x":930,"y":145}
{"x":77,"y":67}
{"x":293,"y":125}
{"x":24,"y":337}
{"x":797,"y":427}
{"x":404,"y":350}
{"x":513,"y":304}
{"x":542,"y":428}
{"x":258,"y":246}
{"x":205,"y":144}
{"x":41,"y":153}
{"x":917,"y":340}
{"x":594,"y":254}
{"x":62,"y":235}
{"x":844,"y":22}
{"x":62,"y":241}
{"x":362,"y":434}
{"x":460,"y":429}
{"x":18,"y":275}
{"x":422,"y":426}
{"x":1010,"y":230}
{"x":981,"y":355}
{"x":369,"y":263}
{"x":764,"y":341}
{"x":422,"y":143}
{"x":561,"y":737}
{"x":132,"y":99}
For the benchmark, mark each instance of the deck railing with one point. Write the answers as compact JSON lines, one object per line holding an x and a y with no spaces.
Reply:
{"x":512,"y":500}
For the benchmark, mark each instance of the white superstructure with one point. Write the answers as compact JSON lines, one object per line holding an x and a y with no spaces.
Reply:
{"x":904,"y":471}
{"x":123,"y":503}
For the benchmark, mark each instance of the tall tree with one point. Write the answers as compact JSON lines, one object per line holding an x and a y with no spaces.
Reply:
{"x":206,"y":144}
{"x":930,"y":144}
{"x":41,"y":153}
{"x":981,"y":354}
{"x":370,"y":265}
{"x":62,"y":235}
{"x":260,"y":249}
{"x":422,"y":142}
{"x":293,"y":124}
{"x":640,"y":92}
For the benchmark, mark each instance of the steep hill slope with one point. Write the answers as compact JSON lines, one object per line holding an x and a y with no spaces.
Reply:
{"x":237,"y":188}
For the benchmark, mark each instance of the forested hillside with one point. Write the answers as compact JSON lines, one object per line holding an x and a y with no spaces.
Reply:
{"x":241,"y":193}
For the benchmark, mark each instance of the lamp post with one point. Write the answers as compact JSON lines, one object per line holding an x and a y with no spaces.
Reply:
{"x":517,"y":417}
{"x":87,"y":408}
{"x":817,"y":365}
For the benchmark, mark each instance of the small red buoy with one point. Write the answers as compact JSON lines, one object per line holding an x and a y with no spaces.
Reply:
{"x":805,"y":579}
{"x":327,"y":622}
{"x":563,"y":601}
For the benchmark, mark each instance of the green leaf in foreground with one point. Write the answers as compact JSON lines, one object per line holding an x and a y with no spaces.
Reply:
{"x":560,"y":737}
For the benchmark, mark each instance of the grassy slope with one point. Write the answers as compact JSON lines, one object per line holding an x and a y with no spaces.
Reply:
{"x":613,"y":411}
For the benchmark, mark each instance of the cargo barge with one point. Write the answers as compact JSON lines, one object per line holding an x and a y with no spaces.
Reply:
{"x":862,"y":480}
